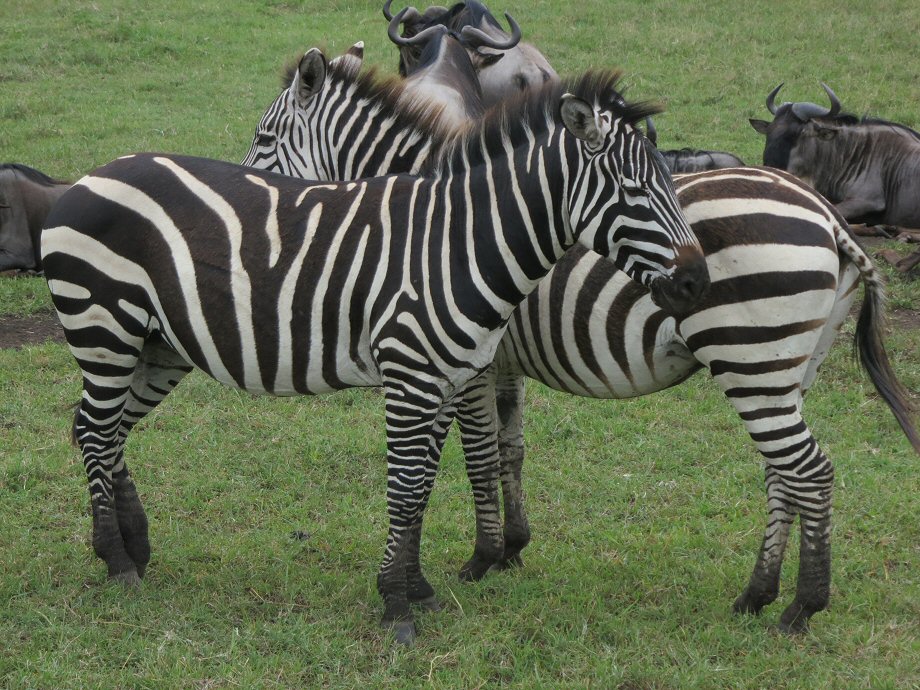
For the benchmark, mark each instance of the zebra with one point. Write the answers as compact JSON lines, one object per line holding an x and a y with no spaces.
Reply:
{"x":160,"y":263}
{"x":785,"y":271}
{"x":769,"y":242}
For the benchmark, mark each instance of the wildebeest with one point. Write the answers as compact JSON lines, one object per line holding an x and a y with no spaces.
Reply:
{"x":444,"y":74}
{"x":867,"y":167}
{"x":499,"y":57}
{"x":688,"y":160}
{"x":26,"y":196}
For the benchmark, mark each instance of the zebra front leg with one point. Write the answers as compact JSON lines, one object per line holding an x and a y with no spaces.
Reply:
{"x":478,"y":429}
{"x":419,"y":590}
{"x":410,"y":426}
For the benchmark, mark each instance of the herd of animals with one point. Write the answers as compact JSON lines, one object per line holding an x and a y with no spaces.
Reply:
{"x":445,"y":235}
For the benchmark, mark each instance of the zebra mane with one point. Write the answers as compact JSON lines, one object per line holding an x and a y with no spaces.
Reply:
{"x":387,"y":92}
{"x":31,"y":174}
{"x":538,"y":111}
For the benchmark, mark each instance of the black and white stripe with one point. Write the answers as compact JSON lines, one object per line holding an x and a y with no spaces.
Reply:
{"x":785,"y":271}
{"x":159,"y":263}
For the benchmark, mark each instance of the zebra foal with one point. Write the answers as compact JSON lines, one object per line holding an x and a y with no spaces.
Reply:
{"x":161,"y":263}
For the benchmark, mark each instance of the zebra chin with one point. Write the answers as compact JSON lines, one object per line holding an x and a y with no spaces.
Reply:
{"x":679,"y":293}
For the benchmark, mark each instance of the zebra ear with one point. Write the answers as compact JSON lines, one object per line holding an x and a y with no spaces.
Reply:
{"x":311,"y":73}
{"x":350,"y":61}
{"x":580,"y":118}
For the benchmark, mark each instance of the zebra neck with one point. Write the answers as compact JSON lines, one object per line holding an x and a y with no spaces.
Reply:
{"x":508,"y":220}
{"x":375,"y":142}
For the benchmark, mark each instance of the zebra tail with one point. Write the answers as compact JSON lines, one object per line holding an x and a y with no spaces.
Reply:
{"x":869,"y":344}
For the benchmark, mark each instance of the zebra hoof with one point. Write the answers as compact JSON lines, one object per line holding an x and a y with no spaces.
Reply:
{"x":128,"y":579}
{"x":428,"y":603}
{"x":794,"y":620}
{"x":475,"y":569}
{"x":514,"y":561}
{"x":403,"y":632}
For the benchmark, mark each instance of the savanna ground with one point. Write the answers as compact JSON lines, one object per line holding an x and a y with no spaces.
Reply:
{"x":268,"y":517}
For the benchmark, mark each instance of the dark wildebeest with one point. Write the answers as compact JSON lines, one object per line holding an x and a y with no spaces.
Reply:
{"x":868,"y":168}
{"x":26,"y":196}
{"x":444,"y":74}
{"x":499,"y":58}
{"x":687,"y":160}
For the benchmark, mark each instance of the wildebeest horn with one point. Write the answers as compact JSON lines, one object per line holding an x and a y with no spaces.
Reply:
{"x":835,"y":102}
{"x":650,"y":132}
{"x":771,"y":106}
{"x":420,"y":37}
{"x":408,"y":14}
{"x":479,"y":39}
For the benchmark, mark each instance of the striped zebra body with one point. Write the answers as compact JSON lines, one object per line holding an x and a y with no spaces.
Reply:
{"x":785,"y":272}
{"x":159,"y":263}
{"x":785,"y":275}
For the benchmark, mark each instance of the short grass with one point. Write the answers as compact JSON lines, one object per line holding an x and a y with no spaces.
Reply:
{"x":647,"y":514}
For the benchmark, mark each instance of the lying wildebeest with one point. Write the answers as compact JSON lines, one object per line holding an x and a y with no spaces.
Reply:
{"x":444,"y":74}
{"x":26,"y":196}
{"x":787,"y":272}
{"x":688,"y":160}
{"x":501,"y":61}
{"x":868,"y":168}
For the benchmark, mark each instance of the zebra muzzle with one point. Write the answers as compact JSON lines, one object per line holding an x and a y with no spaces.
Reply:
{"x":682,"y":291}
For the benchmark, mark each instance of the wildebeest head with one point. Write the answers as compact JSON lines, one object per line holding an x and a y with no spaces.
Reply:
{"x":504,"y":65}
{"x":443,"y":76}
{"x":789,"y":122}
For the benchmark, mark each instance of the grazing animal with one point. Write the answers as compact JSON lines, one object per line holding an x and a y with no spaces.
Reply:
{"x":785,"y":270}
{"x":868,"y":168}
{"x":785,"y":273}
{"x":443,"y":76}
{"x":280,"y":286}
{"x":686,"y":160}
{"x":503,"y":63}
{"x":26,"y":196}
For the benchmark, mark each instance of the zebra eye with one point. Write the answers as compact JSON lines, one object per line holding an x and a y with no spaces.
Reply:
{"x":265,"y":139}
{"x":633,"y":188}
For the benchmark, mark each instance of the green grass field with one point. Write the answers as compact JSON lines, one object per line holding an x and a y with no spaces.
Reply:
{"x":647,"y":514}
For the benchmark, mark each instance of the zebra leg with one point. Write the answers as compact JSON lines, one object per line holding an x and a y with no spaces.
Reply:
{"x":419,"y":590}
{"x":799,"y":479}
{"x":159,"y":370}
{"x":478,"y":428}
{"x":510,"y":407}
{"x":411,"y":419}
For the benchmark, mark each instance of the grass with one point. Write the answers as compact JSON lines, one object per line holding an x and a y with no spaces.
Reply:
{"x":647,"y":514}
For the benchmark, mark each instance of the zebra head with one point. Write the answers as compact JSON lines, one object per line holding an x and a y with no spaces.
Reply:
{"x":283,"y":140}
{"x":622,"y":201}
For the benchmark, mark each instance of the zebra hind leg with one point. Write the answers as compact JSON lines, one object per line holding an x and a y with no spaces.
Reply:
{"x":159,"y":370}
{"x":478,"y":427}
{"x":801,"y":484}
{"x":101,"y":425}
{"x":510,"y":407}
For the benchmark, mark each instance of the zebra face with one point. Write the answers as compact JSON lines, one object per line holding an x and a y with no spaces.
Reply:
{"x":624,"y":206}
{"x":282,"y":142}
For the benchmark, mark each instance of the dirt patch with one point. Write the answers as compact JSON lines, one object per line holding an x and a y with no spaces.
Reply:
{"x":17,"y":331}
